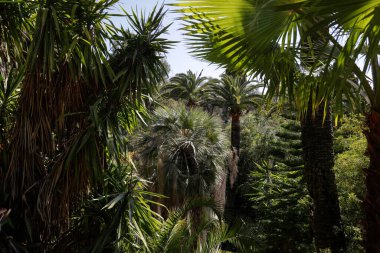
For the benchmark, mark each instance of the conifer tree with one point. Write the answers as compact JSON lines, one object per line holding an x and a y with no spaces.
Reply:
{"x":280,"y":195}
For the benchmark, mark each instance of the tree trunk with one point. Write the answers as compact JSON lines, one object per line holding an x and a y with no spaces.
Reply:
{"x":231,"y":195}
{"x":371,"y":201}
{"x":317,"y":142}
{"x":235,"y":132}
{"x":194,"y":186}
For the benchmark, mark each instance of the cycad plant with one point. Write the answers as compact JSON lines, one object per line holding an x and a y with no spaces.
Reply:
{"x":176,"y":236}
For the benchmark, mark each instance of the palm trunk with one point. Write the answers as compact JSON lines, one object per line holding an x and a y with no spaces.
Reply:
{"x":219,"y":193}
{"x":317,"y":141}
{"x":194,"y":191}
{"x":231,"y":206}
{"x":160,"y":188}
{"x":371,"y":202}
{"x":235,"y":132}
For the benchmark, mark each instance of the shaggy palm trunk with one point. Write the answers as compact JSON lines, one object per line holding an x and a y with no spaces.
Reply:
{"x":235,"y":132}
{"x":231,"y":194}
{"x":317,"y":141}
{"x":194,"y":186}
{"x":372,"y":198}
{"x":160,"y":188}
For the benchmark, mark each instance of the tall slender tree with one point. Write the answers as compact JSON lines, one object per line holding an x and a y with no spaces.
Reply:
{"x":236,"y":95}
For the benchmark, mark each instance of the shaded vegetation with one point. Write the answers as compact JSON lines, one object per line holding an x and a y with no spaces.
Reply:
{"x":100,"y":151}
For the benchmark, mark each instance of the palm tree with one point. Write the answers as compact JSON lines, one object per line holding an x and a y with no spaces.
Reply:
{"x":237,"y":95}
{"x":184,"y":153}
{"x":262,"y":38}
{"x":317,"y":145}
{"x":356,"y":22}
{"x":72,"y":94}
{"x":187,"y":86}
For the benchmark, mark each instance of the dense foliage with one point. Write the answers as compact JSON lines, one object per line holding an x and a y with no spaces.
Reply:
{"x":100,"y":151}
{"x":184,"y":152}
{"x":278,"y":203}
{"x":350,"y":164}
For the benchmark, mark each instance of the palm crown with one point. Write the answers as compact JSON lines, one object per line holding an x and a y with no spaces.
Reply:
{"x":234,"y":93}
{"x":187,"y":86}
{"x":266,"y":38}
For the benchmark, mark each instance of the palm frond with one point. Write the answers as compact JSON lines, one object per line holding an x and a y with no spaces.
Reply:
{"x":175,"y":230}
{"x":234,"y":93}
{"x":267,"y":39}
{"x":187,"y":86}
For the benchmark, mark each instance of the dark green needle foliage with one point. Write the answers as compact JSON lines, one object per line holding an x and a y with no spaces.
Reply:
{"x":277,"y":192}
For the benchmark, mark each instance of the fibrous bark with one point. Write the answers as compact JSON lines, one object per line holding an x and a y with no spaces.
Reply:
{"x":372,"y":198}
{"x":317,"y":142}
{"x":235,"y":132}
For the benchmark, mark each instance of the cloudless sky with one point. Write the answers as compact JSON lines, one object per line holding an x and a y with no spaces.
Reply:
{"x":178,"y":58}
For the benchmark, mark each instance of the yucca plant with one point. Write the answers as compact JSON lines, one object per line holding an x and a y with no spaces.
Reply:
{"x":74,"y":92}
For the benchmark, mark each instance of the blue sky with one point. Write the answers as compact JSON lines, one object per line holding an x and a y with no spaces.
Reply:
{"x":178,"y":58}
